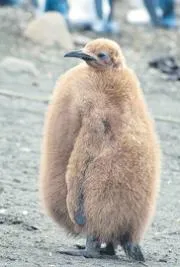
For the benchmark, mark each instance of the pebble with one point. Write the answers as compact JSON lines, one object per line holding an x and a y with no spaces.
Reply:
{"x":2,"y":211}
{"x":25,"y":212}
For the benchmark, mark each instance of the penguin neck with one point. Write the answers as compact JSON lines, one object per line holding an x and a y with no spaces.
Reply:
{"x":119,"y":82}
{"x":106,"y":79}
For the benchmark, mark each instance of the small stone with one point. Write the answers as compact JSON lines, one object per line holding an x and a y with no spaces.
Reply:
{"x":25,"y":149}
{"x":25,"y":212}
{"x":162,"y":260}
{"x":35,"y":84}
{"x":2,"y":211}
{"x":50,"y":29}
{"x":17,"y":65}
{"x":31,"y":228}
{"x":16,"y":180}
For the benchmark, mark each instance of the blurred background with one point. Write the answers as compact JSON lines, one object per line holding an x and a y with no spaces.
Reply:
{"x":34,"y":35}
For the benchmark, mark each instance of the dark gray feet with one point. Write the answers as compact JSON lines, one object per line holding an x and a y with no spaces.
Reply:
{"x":83,"y":252}
{"x":108,"y":250}
{"x":133,"y":251}
{"x":92,"y":249}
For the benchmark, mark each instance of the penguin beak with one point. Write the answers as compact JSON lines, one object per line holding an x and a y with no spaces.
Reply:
{"x":80,"y":54}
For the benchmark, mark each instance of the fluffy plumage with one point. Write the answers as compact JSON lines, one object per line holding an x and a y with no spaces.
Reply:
{"x":100,"y":165}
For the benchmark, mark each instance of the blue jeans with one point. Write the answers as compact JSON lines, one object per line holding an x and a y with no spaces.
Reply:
{"x":57,"y":5}
{"x":167,"y":7}
{"x":10,"y":2}
{"x":54,"y":5}
{"x":99,"y":9}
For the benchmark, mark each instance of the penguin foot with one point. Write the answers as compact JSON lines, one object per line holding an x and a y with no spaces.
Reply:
{"x":108,"y":250}
{"x":82,"y":252}
{"x":91,"y":250}
{"x":133,"y":251}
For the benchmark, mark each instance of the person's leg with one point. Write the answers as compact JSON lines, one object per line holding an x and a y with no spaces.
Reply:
{"x":167,"y":19}
{"x":10,"y":2}
{"x":99,"y":8}
{"x":111,"y":14}
{"x":106,"y":24}
{"x":100,"y":24}
{"x":57,"y":5}
{"x":112,"y":25}
{"x":168,"y":16}
{"x":151,"y":6}
{"x":167,"y":6}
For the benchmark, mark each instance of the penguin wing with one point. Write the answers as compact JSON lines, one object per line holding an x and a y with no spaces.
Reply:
{"x":62,"y":125}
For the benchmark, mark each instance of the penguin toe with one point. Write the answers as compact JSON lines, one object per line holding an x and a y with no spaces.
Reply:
{"x":134,"y":251}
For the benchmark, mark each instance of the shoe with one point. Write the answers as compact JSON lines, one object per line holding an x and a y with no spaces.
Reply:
{"x":106,"y":27}
{"x":138,"y":16}
{"x":168,"y":22}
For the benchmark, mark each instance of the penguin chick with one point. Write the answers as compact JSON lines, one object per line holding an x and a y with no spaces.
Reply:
{"x":100,"y":167}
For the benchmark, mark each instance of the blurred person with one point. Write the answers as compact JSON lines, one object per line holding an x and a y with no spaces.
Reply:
{"x":42,"y":6}
{"x":106,"y":21}
{"x":161,"y":13}
{"x":138,"y":14}
{"x":167,"y":17}
{"x":96,"y":15}
{"x":82,"y":14}
{"x":10,"y":2}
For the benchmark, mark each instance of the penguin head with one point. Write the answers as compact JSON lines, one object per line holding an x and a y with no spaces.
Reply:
{"x":100,"y":54}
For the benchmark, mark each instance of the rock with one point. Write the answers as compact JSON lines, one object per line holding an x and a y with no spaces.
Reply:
{"x":16,"y":65}
{"x":2,"y":211}
{"x":50,"y":29}
{"x":25,"y":212}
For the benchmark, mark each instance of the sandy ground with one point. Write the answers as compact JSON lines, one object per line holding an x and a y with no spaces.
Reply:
{"x":27,"y":237}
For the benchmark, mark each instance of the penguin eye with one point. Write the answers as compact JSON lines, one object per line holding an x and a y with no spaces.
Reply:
{"x":102,"y":55}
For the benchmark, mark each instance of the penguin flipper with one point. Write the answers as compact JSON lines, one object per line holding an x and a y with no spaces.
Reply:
{"x":79,"y":216}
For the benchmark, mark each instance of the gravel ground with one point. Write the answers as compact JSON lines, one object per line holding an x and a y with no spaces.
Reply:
{"x":28,"y":237}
